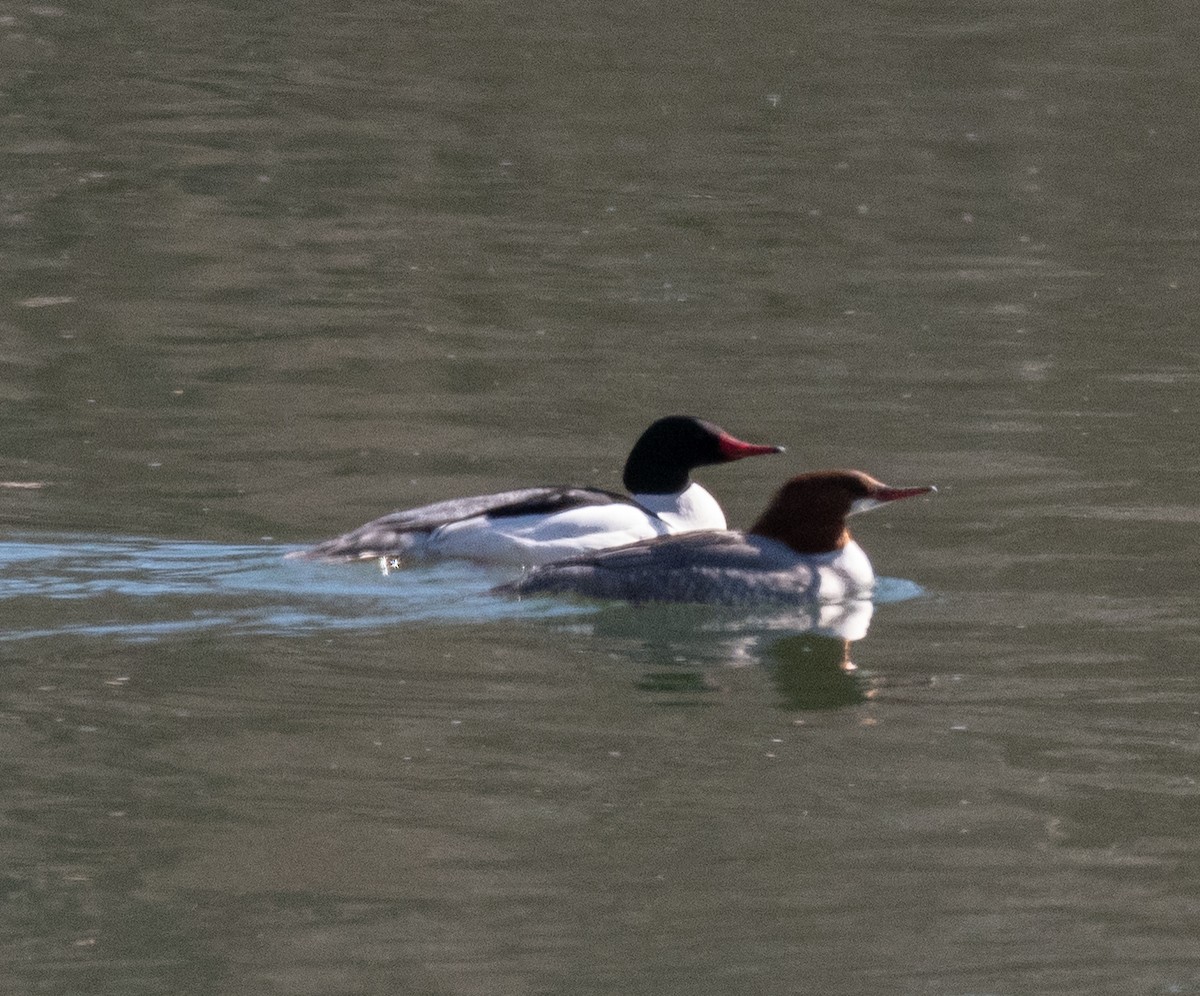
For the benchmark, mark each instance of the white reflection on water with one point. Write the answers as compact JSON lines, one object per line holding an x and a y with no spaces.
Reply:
{"x":141,"y":589}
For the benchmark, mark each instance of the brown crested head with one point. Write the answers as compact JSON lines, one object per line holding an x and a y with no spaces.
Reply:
{"x":809,"y":512}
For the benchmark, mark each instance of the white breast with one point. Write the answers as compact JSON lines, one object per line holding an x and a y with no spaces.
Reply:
{"x":844,"y":574}
{"x":689,"y":510}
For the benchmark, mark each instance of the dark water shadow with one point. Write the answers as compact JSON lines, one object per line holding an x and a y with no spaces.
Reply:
{"x":814,"y":672}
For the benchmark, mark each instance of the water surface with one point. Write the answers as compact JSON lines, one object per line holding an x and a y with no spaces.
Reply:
{"x":268,"y":273}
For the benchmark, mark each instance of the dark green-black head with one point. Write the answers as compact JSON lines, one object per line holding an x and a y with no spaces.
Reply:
{"x":663,"y":458}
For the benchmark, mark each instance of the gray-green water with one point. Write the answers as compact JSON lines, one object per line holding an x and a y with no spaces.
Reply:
{"x":267,"y":271}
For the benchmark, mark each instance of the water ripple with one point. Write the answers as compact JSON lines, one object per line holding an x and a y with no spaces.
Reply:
{"x":142,"y":589}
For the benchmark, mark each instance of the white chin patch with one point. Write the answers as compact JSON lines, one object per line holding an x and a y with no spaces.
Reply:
{"x":864,"y":505}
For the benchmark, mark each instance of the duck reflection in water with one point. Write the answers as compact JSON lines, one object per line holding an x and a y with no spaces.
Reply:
{"x":684,"y":649}
{"x":810,"y":671}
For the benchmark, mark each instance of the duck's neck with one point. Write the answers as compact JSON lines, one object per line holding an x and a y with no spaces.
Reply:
{"x":690,"y":509}
{"x":803,"y":533}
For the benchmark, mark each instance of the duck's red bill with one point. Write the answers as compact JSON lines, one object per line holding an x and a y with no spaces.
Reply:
{"x":895,"y":494}
{"x":735,"y":449}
